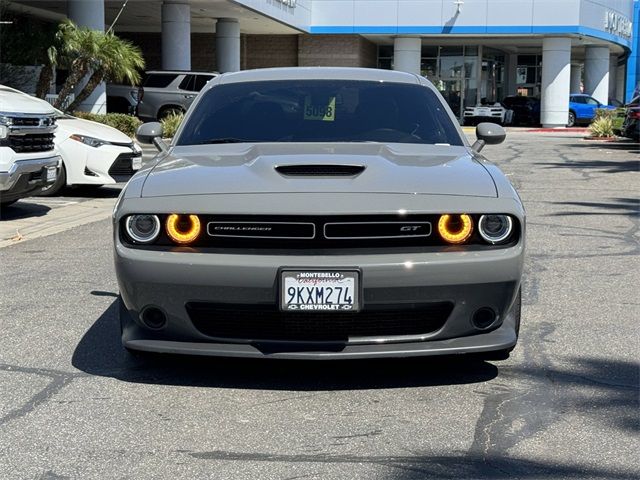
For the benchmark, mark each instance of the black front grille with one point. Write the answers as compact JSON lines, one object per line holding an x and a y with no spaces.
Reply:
{"x":320,"y":170}
{"x":122,"y":168}
{"x":33,"y":142}
{"x":267,"y":230}
{"x":240,"y":322}
{"x":25,"y":121}
{"x":318,"y":234}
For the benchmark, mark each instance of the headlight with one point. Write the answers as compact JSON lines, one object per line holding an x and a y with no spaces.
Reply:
{"x":495,"y":228}
{"x":183,"y":229}
{"x":92,"y":142}
{"x":455,"y":229}
{"x":143,"y":228}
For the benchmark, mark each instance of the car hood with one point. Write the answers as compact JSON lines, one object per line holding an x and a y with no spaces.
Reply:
{"x":253,"y":168}
{"x":72,"y":125}
{"x":13,"y":101}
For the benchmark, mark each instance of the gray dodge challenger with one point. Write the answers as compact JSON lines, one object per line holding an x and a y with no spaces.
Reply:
{"x":320,"y":213}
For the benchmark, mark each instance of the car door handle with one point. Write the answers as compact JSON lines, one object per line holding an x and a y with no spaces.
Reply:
{"x":189,"y":96}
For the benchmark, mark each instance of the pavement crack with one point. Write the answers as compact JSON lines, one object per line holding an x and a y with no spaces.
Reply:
{"x":59,"y":380}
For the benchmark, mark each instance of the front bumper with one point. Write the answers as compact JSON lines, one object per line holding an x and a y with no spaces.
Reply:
{"x":26,"y":176}
{"x":468,"y":280}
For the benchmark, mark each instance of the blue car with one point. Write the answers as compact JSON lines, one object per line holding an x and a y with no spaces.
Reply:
{"x":582,"y":109}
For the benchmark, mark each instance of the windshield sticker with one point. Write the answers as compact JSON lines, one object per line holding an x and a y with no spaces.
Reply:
{"x":325,"y":112}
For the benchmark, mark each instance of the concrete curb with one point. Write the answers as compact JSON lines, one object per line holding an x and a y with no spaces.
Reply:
{"x":57,"y":220}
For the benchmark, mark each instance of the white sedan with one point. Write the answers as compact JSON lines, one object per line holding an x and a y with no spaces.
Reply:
{"x":487,"y":113}
{"x":92,"y":154}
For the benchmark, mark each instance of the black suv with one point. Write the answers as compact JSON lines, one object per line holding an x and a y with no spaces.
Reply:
{"x":526,"y":110}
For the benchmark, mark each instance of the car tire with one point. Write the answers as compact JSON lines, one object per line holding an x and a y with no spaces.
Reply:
{"x":572,"y":119}
{"x":503,"y":354}
{"x":55,"y":187}
{"x":165,"y":111}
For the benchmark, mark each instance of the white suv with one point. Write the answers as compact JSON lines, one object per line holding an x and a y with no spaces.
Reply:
{"x":28,"y":157}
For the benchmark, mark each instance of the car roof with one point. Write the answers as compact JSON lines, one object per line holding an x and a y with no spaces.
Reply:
{"x":179,"y":72}
{"x":320,"y":73}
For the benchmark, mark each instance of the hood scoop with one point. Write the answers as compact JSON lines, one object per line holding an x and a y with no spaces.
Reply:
{"x":321,"y":170}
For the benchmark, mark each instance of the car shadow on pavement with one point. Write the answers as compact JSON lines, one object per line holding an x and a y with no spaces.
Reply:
{"x":100,"y":352}
{"x":23,"y":210}
{"x":88,"y":191}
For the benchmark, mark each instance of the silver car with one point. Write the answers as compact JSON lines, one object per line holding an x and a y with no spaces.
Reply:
{"x":320,"y":213}
{"x":164,"y":92}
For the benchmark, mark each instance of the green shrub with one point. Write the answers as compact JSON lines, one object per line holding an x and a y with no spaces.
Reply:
{"x":602,"y":127}
{"x":170,"y":124}
{"x":604,"y":113}
{"x":127,"y":124}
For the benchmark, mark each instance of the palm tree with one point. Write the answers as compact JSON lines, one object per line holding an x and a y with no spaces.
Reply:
{"x":117,"y":61}
{"x":84,"y":52}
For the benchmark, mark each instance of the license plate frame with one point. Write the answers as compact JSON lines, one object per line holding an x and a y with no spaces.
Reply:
{"x":345,"y":273}
{"x":136,"y":162}
{"x":51,"y":174}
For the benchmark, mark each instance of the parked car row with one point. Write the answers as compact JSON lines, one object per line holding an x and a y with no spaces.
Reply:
{"x":42,"y":149}
{"x":522,"y":110}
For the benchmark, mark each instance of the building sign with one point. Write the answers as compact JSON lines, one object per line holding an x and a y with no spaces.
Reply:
{"x":288,"y":3}
{"x":617,"y":24}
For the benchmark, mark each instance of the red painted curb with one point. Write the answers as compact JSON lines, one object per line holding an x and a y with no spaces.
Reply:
{"x":559,"y":130}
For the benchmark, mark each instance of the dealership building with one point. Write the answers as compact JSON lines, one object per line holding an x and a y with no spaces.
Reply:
{"x":473,"y":50}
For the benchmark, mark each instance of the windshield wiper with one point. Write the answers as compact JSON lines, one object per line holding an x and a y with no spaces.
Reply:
{"x":225,"y":140}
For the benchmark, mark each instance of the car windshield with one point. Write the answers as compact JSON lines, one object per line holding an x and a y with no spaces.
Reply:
{"x":319,"y":111}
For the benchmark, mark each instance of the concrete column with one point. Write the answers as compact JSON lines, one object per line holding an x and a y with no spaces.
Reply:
{"x":556,"y":66}
{"x":407,"y":52}
{"x":576,"y":80}
{"x":596,"y":73}
{"x":512,"y":74}
{"x":176,"y":35}
{"x":90,"y":13}
{"x":613,"y":72}
{"x":228,"y":45}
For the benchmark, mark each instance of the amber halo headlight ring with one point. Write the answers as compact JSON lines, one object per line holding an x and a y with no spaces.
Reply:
{"x":455,"y":229}
{"x":495,"y":229}
{"x":183,"y":229}
{"x":142,"y":228}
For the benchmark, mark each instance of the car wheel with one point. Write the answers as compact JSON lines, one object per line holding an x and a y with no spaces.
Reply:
{"x":53,"y":188}
{"x":166,"y":111}
{"x":505,"y":352}
{"x":572,"y":119}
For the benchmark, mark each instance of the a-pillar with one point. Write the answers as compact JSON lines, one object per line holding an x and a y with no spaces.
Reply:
{"x":228,"y":45}
{"x":176,"y":35}
{"x":596,"y":73}
{"x":90,"y":14}
{"x":407,"y":52}
{"x":556,"y":74}
{"x":576,"y":78}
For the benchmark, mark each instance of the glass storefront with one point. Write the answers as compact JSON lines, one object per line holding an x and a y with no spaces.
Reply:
{"x":454,"y":71}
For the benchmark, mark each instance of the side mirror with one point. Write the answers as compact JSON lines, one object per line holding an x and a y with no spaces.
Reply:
{"x":488,"y":134}
{"x":151,"y":133}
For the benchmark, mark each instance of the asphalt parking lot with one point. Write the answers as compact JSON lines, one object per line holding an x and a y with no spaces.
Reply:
{"x":566,"y":404}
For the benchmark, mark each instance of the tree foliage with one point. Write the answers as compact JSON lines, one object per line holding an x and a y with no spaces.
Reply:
{"x":89,"y":53}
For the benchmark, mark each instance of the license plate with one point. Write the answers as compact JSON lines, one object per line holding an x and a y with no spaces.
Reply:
{"x":136,"y":163}
{"x":319,"y":290}
{"x":52,"y":173}
{"x":483,"y":112}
